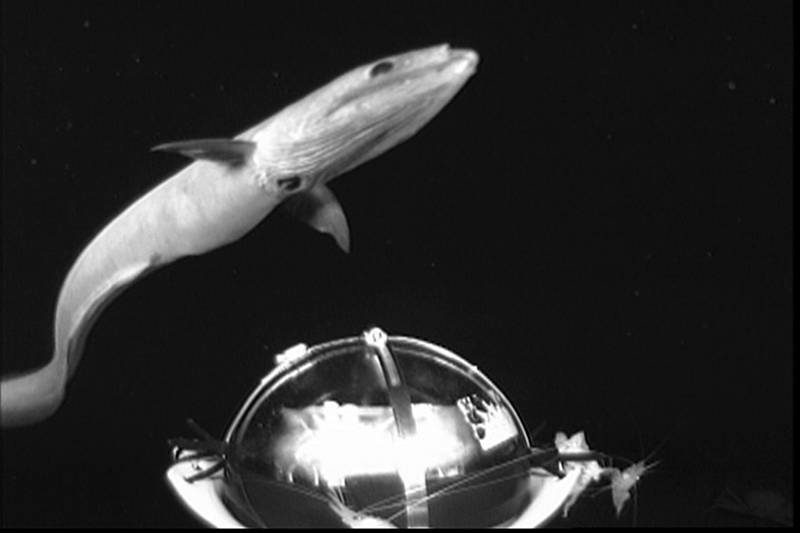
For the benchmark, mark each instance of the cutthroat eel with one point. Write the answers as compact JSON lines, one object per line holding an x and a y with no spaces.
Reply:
{"x":231,"y":185}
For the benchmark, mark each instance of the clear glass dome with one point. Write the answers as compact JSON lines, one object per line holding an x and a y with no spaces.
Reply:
{"x":377,"y":431}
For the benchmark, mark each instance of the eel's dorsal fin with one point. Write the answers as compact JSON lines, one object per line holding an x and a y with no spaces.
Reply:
{"x":320,"y":209}
{"x":229,"y":151}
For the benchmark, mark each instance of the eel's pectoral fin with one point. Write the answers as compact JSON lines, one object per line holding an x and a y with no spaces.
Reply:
{"x":320,"y":209}
{"x":228,"y":151}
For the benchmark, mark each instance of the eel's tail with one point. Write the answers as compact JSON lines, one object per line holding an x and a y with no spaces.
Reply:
{"x":33,"y":396}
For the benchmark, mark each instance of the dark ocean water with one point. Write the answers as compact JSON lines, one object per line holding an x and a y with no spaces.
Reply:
{"x":601,"y":221}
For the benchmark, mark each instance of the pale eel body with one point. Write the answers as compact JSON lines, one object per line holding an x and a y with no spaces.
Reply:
{"x":232,"y":185}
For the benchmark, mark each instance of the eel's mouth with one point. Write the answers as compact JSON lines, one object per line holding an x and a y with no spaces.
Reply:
{"x":454,"y":65}
{"x":462,"y":61}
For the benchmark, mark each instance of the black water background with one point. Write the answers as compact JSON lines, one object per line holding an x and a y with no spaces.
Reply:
{"x":602,"y":221}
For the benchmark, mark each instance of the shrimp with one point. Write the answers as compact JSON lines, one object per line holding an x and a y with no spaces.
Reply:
{"x":623,"y":481}
{"x":589,"y":471}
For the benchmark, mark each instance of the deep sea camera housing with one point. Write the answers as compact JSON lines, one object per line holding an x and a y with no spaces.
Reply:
{"x":372,"y":431}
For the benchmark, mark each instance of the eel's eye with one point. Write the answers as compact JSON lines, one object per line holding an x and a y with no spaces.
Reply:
{"x":290,"y":184}
{"x":381,"y":68}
